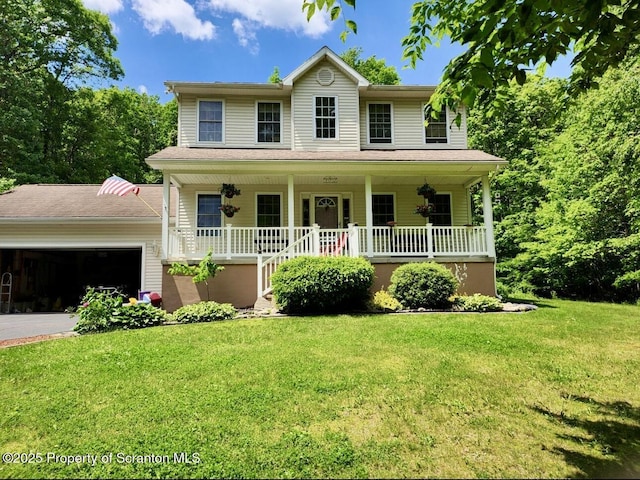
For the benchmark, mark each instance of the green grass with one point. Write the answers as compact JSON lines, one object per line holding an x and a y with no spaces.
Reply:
{"x":551,"y":393}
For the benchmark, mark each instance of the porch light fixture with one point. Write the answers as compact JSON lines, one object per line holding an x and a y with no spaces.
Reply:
{"x":329,"y":179}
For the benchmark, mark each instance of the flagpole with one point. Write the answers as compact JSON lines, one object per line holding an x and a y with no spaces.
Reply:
{"x":150,"y":207}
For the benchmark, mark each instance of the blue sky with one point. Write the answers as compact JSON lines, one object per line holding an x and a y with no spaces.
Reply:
{"x":243,"y":40}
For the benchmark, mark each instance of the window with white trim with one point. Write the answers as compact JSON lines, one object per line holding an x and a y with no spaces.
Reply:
{"x":325,"y":117}
{"x":436,"y":129}
{"x":269,"y":122}
{"x":380,"y":123}
{"x":442,"y":215}
{"x":208,"y":214}
{"x":269,"y":210}
{"x":210,"y":120}
{"x":382,"y":205}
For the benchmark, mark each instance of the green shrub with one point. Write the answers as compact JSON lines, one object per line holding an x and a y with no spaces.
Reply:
{"x":102,"y":311}
{"x":139,"y":315}
{"x":204,"y":312}
{"x":423,"y":285}
{"x":382,"y":301}
{"x":322,"y":284}
{"x":477,"y":303}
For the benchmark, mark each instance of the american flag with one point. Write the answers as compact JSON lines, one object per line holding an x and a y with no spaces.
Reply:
{"x":118,"y":186}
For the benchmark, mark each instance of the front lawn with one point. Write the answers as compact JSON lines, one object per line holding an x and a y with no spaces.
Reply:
{"x":550,"y":393}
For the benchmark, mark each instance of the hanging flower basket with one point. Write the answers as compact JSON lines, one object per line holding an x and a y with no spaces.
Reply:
{"x":425,"y":210}
{"x":229,"y":210}
{"x":426,"y":190}
{"x":229,"y":190}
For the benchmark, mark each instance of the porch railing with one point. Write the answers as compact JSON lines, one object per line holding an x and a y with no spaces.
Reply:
{"x":248,"y":242}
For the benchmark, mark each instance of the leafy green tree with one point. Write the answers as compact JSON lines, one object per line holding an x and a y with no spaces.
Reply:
{"x":586,"y":236}
{"x":47,"y":48}
{"x":373,"y":69}
{"x":504,"y":38}
{"x":275,"y":76}
{"x":530,"y":118}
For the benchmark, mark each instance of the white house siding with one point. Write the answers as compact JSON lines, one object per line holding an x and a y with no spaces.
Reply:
{"x":406,"y":200}
{"x":70,"y":235}
{"x":408,"y":126}
{"x":239,"y":122}
{"x":304,"y":91}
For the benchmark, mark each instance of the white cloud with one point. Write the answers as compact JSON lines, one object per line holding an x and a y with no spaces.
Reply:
{"x":143,"y":89}
{"x":104,"y":6}
{"x":175,"y":14}
{"x":246,"y":33}
{"x":278,"y":14}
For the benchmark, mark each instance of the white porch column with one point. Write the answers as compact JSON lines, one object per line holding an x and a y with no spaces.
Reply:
{"x":166,"y":203}
{"x":290,"y":207}
{"x":487,"y":213}
{"x":368,"y":202}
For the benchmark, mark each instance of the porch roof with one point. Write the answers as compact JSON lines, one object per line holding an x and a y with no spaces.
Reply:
{"x":260,"y":166}
{"x":343,"y":156}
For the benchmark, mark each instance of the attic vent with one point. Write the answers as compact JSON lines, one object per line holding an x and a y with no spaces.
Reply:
{"x":325,"y":77}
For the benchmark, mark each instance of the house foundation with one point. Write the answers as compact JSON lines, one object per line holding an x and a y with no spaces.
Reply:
{"x":237,"y":283}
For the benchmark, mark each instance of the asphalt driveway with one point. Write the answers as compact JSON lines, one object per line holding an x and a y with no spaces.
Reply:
{"x":20,"y":325}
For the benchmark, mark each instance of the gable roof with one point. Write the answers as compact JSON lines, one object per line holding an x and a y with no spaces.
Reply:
{"x":78,"y":202}
{"x":325,"y":53}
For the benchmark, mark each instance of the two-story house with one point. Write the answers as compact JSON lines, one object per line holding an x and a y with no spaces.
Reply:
{"x":326,"y":164}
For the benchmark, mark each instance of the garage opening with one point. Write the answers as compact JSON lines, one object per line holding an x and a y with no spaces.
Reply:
{"x":49,"y":280}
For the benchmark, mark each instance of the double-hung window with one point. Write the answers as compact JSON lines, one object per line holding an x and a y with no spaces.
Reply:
{"x":269,"y":122}
{"x":326,"y":117}
{"x":383,"y":208}
{"x":436,"y":129}
{"x":441,"y":217}
{"x":210,"y":121}
{"x":208,"y":214}
{"x":269,"y":211}
{"x":380,"y":123}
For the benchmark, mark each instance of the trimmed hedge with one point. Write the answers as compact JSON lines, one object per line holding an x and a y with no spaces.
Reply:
{"x":423,"y":285}
{"x":204,"y":312}
{"x":322,"y":284}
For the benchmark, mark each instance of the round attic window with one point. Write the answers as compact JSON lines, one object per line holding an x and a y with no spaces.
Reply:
{"x":325,"y":76}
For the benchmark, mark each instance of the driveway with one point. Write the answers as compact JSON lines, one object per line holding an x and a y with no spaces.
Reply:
{"x":20,"y":325}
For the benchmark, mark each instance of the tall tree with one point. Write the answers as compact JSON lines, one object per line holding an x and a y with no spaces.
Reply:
{"x":47,"y":48}
{"x":504,"y":38}
{"x":373,"y":69}
{"x":531,"y":117}
{"x":586,"y":236}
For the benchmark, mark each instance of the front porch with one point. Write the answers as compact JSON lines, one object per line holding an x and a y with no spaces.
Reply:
{"x":229,"y":242}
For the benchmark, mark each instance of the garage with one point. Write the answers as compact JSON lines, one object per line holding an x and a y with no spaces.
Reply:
{"x":46,"y":280}
{"x":55,"y":240}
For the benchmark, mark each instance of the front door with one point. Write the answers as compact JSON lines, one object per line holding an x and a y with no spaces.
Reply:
{"x":326,"y":211}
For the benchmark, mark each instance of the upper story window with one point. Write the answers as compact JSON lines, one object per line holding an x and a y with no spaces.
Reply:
{"x":269,"y":122}
{"x":380,"y":123}
{"x":210,"y":120}
{"x":436,"y":129}
{"x":326,"y":117}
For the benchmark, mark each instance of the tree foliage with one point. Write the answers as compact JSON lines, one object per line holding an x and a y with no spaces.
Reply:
{"x":373,"y":69}
{"x":505,"y":38}
{"x":568,"y":221}
{"x":54,"y":128}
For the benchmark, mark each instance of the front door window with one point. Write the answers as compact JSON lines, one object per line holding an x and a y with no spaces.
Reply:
{"x":326,"y":212}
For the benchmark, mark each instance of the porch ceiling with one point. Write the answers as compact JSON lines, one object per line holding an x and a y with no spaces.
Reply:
{"x":329,"y":179}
